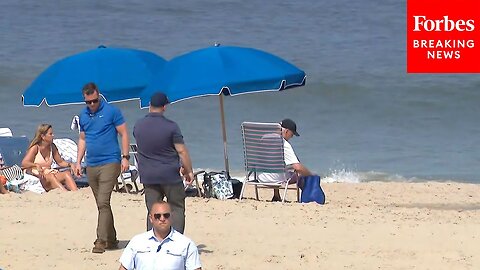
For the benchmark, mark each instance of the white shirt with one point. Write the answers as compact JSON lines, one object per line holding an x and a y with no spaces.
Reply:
{"x":289,"y":157}
{"x":175,"y":252}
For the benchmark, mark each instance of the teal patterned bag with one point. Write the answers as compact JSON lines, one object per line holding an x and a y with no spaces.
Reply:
{"x":216,"y":184}
{"x":222,"y":188}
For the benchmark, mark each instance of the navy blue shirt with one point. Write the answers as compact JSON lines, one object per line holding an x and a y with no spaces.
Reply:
{"x":101,"y":135}
{"x":158,"y":160}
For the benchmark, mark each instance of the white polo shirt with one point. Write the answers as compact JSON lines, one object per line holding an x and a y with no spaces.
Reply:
{"x":175,"y":252}
{"x":290,"y":158}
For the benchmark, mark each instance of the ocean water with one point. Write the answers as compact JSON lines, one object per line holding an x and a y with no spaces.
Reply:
{"x":361,"y":116}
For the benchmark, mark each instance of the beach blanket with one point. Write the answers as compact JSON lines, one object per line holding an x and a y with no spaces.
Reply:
{"x":32,"y":184}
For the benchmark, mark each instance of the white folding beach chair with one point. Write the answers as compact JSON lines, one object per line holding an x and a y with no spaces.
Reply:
{"x":263,"y":153}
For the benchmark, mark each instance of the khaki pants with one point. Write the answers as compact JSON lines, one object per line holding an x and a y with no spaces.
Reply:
{"x":175,"y":194}
{"x":102,"y":179}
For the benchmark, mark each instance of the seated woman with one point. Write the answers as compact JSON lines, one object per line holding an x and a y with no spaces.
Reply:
{"x":39,"y":158}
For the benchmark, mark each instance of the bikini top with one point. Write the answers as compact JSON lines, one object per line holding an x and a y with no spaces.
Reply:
{"x":45,"y":163}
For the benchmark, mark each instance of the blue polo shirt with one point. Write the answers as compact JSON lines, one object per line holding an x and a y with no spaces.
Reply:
{"x":158,"y":160}
{"x":101,"y":135}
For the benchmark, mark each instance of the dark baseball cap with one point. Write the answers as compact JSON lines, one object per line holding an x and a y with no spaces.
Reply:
{"x":159,"y":99}
{"x":290,"y":125}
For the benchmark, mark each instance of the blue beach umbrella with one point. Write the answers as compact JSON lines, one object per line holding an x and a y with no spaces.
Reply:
{"x":120,"y":73}
{"x":223,"y":70}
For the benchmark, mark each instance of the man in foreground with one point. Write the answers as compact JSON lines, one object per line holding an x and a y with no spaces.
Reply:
{"x":100,"y":124}
{"x":161,"y":153}
{"x":162,"y":247}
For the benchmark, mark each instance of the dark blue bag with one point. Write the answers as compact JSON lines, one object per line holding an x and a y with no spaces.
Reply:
{"x":311,"y":189}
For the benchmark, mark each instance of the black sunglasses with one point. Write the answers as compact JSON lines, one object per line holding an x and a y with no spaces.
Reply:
{"x":157,"y":216}
{"x":93,"y":101}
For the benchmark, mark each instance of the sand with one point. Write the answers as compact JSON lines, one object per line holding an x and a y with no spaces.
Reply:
{"x":374,"y":225}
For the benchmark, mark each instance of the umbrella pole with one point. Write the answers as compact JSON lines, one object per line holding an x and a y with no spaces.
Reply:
{"x":224,"y":133}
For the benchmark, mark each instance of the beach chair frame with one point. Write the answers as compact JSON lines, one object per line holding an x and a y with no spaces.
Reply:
{"x":133,"y":154}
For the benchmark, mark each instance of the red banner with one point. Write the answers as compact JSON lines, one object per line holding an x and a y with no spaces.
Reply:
{"x":443,"y":36}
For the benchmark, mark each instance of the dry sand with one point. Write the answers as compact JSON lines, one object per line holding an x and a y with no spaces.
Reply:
{"x":373,"y":225}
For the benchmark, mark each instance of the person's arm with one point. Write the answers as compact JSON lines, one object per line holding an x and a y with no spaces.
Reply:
{"x":127,"y":259}
{"x":192,"y":260}
{"x":186,"y":162}
{"x":292,"y":161}
{"x":81,"y":146}
{"x":300,"y":169}
{"x":122,"y":130}
{"x":28,"y":160}
{"x":58,"y":158}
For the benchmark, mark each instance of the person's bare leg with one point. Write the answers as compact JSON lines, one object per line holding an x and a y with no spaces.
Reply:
{"x":3,"y":190}
{"x":67,"y":179}
{"x":54,"y":182}
{"x":276,"y":195}
{"x":276,"y":192}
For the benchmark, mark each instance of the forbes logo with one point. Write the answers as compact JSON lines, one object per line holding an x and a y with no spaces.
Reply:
{"x":445,"y":24}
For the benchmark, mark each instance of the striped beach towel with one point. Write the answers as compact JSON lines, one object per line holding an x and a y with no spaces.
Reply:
{"x":12,"y":173}
{"x":15,"y":178}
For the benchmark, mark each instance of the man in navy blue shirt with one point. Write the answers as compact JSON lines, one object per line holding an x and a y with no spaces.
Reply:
{"x":100,"y":124}
{"x":161,"y":150}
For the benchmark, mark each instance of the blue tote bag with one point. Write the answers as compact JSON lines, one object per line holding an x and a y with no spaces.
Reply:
{"x":311,"y":190}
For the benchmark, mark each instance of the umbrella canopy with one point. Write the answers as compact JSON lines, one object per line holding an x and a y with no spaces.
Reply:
{"x":223,"y":70}
{"x":120,"y":74}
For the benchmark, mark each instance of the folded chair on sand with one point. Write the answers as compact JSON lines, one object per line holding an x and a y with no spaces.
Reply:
{"x":263,"y":153}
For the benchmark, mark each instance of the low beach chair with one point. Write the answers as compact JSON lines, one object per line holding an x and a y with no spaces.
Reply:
{"x":13,"y":149}
{"x":67,"y":148}
{"x":263,"y":153}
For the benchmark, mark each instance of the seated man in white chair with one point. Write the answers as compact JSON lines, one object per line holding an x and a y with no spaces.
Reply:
{"x":289,"y":128}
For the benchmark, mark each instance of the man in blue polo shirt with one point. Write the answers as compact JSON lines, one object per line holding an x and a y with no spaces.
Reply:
{"x":100,"y":124}
{"x":161,"y":150}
